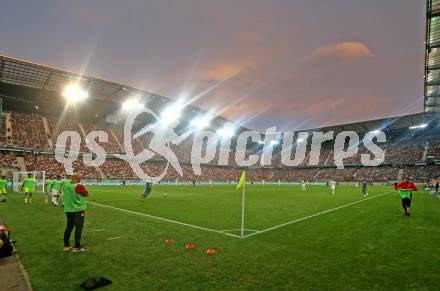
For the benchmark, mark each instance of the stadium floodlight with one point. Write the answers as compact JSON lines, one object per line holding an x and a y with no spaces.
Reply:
{"x":418,"y":126}
{"x":73,"y":93}
{"x":201,"y":122}
{"x":226,"y":131}
{"x":376,"y":131}
{"x":172,"y":113}
{"x":130,"y":104}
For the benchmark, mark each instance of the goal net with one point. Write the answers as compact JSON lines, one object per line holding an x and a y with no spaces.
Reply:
{"x":18,"y":177}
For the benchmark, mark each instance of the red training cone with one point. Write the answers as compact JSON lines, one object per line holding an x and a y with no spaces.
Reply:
{"x":211,"y":251}
{"x":190,"y":246}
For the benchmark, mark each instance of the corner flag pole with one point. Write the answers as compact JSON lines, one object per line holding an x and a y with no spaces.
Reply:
{"x":242,"y":185}
{"x":243,"y":195}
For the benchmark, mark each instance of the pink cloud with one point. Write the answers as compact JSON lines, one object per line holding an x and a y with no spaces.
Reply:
{"x":336,"y":53}
{"x":220,"y":71}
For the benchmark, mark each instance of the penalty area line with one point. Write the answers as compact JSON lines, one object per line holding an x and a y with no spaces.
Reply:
{"x":313,"y":215}
{"x":164,"y":219}
{"x":238,"y":229}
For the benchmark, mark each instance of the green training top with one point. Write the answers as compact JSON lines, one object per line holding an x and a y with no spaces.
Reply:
{"x":65,"y":181}
{"x":57,"y":184}
{"x":49,"y":184}
{"x":29,"y":182}
{"x":3,"y":183}
{"x":73,"y":202}
{"x":405,"y":193}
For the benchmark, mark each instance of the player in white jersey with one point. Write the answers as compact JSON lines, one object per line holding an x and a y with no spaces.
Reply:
{"x":332,"y":185}
{"x":303,"y":186}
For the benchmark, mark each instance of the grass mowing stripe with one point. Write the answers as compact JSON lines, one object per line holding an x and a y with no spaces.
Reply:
{"x":313,"y":215}
{"x":166,"y":220}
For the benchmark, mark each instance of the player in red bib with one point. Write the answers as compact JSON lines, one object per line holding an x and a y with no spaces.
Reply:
{"x":405,"y":189}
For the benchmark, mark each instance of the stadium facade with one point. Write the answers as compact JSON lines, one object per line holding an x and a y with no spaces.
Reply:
{"x":432,"y":57}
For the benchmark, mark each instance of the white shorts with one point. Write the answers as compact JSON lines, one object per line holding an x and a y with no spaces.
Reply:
{"x":54,"y":192}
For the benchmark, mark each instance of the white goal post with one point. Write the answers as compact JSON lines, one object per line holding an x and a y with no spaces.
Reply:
{"x":18,"y":176}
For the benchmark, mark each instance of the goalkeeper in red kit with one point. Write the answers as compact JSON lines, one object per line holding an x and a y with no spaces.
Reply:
{"x":405,"y":189}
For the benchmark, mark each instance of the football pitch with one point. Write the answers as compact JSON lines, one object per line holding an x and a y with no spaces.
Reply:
{"x":293,"y":240}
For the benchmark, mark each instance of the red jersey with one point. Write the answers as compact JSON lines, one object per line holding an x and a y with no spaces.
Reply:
{"x":406,"y":186}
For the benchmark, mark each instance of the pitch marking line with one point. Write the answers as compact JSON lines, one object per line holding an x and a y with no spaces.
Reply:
{"x":166,"y":220}
{"x":112,"y":200}
{"x":137,"y":198}
{"x":313,"y":215}
{"x":96,"y":230}
{"x":117,"y":237}
{"x":238,"y":229}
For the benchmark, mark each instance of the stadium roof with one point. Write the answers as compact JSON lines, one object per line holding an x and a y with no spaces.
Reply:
{"x":386,"y":124}
{"x":432,"y":57}
{"x":25,"y":74}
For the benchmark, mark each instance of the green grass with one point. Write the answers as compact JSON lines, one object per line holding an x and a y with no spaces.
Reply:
{"x":367,"y":245}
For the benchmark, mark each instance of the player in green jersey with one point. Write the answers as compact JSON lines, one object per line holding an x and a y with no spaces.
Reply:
{"x":48,"y":189}
{"x":65,"y":181}
{"x":74,"y":206}
{"x":28,"y":187}
{"x":56,"y":189}
{"x":3,"y":186}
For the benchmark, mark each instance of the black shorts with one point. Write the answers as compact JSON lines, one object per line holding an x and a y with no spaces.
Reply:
{"x":406,"y":202}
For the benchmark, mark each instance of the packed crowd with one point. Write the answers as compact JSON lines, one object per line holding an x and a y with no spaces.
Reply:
{"x":401,"y":153}
{"x":434,"y":150}
{"x":121,"y":170}
{"x":29,"y":131}
{"x":48,"y":164}
{"x":8,"y":161}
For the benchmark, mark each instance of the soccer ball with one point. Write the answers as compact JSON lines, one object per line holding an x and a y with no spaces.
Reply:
{"x":165,"y":194}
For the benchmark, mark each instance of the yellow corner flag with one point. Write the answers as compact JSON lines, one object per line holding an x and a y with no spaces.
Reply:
{"x":242,"y":181}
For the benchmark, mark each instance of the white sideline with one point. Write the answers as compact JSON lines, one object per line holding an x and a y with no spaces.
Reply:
{"x":164,"y":219}
{"x":313,"y":215}
{"x":124,"y":199}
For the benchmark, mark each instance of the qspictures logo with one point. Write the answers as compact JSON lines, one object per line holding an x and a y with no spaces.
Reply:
{"x":208,"y":144}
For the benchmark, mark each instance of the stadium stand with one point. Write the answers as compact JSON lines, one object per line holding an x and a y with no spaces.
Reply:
{"x":8,"y":161}
{"x":28,"y":133}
